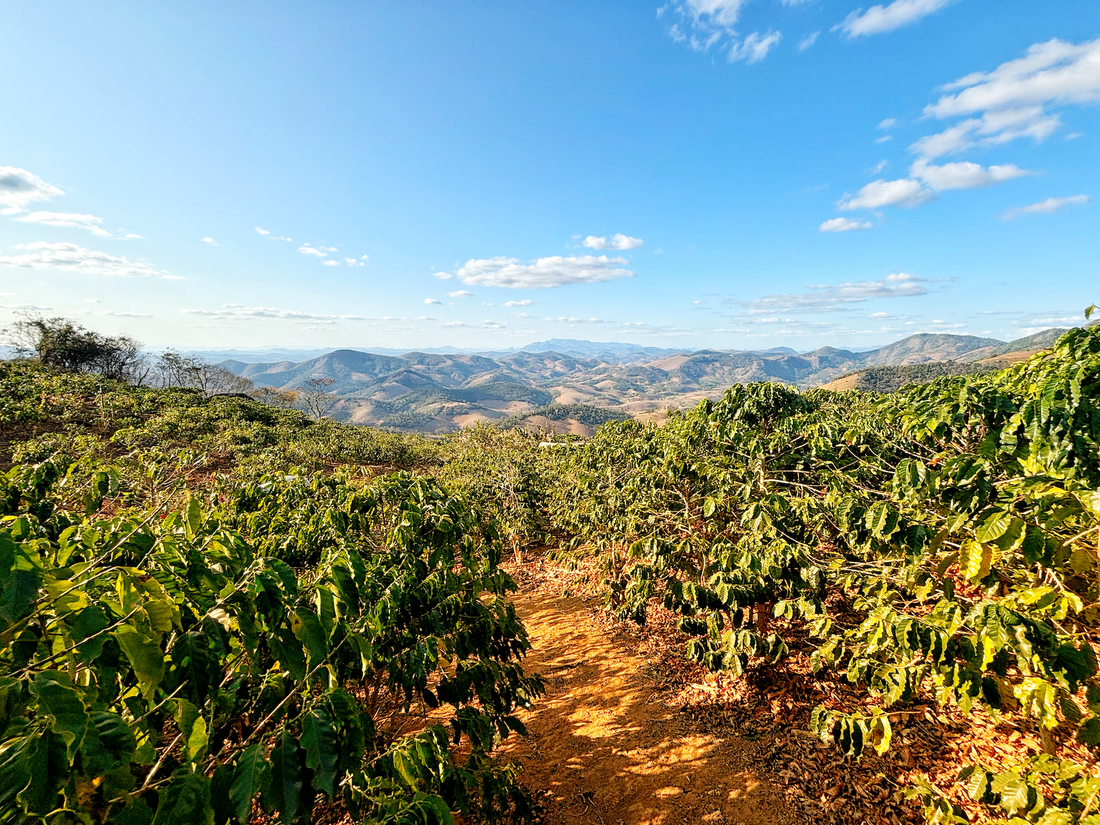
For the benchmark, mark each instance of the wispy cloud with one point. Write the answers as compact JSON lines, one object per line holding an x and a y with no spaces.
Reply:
{"x":882,"y":19}
{"x":512,"y":273}
{"x":964,"y":175}
{"x":1046,"y":207}
{"x":210,"y":241}
{"x":888,"y":123}
{"x":702,"y":25}
{"x":433,"y":302}
{"x":879,"y":193}
{"x":617,"y":241}
{"x":73,"y":258}
{"x":1013,"y":101}
{"x":827,"y":297}
{"x":461,"y":293}
{"x":473,"y":325}
{"x":68,"y":220}
{"x":808,"y":41}
{"x":312,"y":250}
{"x":524,"y":303}
{"x":845,"y":225}
{"x":20,"y":188}
{"x":241,"y":312}
{"x":755,"y":47}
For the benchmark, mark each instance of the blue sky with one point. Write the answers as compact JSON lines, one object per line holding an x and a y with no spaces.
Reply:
{"x":722,"y":173}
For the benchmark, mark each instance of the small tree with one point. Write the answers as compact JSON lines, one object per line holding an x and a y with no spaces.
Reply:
{"x":284,"y":399}
{"x":176,"y":370}
{"x":315,"y":398}
{"x":65,"y":345}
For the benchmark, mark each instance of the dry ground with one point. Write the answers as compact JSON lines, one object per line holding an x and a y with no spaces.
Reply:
{"x":604,"y":748}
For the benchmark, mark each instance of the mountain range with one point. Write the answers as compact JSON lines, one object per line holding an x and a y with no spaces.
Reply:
{"x":556,"y":383}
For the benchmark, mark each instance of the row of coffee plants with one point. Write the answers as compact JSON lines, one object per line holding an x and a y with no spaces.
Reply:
{"x":936,"y":545}
{"x":185,"y":638}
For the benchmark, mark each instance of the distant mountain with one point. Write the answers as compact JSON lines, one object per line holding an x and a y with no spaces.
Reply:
{"x":431,"y":390}
{"x":612,"y":353}
{"x":919,"y":349}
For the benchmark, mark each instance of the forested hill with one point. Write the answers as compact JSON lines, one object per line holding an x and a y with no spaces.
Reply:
{"x":431,"y":391}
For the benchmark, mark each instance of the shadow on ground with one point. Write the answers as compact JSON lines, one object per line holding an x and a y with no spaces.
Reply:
{"x":603,"y":749}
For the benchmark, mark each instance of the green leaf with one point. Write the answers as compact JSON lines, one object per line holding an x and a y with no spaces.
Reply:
{"x":197,"y":740}
{"x":978,"y":561}
{"x":284,"y":792}
{"x":185,"y":801}
{"x":145,"y":656}
{"x":319,"y":741}
{"x":108,"y":743}
{"x":60,"y":700}
{"x":250,"y":780}
{"x":18,"y":594}
{"x":405,"y":768}
{"x":993,"y":527}
{"x":307,"y":629}
{"x":1013,"y":791}
{"x":48,"y":766}
{"x":193,"y":516}
{"x":89,"y":622}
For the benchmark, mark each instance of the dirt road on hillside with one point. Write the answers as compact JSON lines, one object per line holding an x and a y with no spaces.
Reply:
{"x":603,"y":749}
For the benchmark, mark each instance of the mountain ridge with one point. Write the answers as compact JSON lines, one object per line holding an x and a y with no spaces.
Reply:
{"x":427,"y":390}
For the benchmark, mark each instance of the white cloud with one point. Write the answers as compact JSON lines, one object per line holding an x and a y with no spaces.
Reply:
{"x":67,"y":219}
{"x":878,"y":167}
{"x":884,"y":139}
{"x":511,"y":273}
{"x":524,"y":303}
{"x":888,"y":123}
{"x":330,"y":263}
{"x":20,"y":188}
{"x":755,"y":47}
{"x":826,"y":297}
{"x":73,"y":258}
{"x":1047,"y":207}
{"x":210,"y":241}
{"x":262,"y":231}
{"x":242,"y":312}
{"x":1012,"y":101}
{"x":311,"y":250}
{"x":705,"y":24}
{"x":355,"y":261}
{"x":616,"y":241}
{"x":881,"y":19}
{"x":473,"y":325}
{"x":432,"y":301}
{"x":462,"y":293}
{"x":845,"y":225}
{"x":879,"y":193}
{"x":32,"y":307}
{"x":808,"y":41}
{"x":964,"y":175}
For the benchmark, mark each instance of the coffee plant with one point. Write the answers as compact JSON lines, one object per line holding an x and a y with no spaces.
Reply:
{"x":940,"y":544}
{"x":187,"y":665}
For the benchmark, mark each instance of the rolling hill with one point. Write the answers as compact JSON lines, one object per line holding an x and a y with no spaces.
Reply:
{"x":439,"y":391}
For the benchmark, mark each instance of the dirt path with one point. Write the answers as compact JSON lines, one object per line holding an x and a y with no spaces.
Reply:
{"x":602,"y":748}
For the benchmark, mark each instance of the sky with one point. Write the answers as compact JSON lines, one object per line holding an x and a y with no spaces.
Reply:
{"x":734,"y":174}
